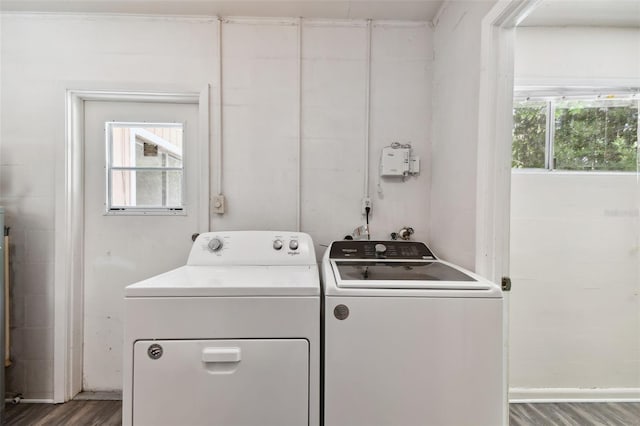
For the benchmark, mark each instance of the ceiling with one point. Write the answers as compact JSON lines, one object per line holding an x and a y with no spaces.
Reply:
{"x":611,"y":13}
{"x":419,"y":10}
{"x":589,"y":13}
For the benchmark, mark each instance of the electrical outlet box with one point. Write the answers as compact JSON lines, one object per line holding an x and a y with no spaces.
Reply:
{"x":414,"y":165}
{"x":218,"y":204}
{"x":394,"y":161}
{"x":366,"y":202}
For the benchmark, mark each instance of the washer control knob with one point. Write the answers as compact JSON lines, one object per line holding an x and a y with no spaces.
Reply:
{"x":380,"y":248}
{"x":293,"y":244}
{"x":277,"y":244}
{"x":215,"y":244}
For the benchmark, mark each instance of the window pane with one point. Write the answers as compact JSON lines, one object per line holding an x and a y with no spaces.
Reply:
{"x":149,"y":143}
{"x":596,"y":135}
{"x":529,"y":130}
{"x":173,"y":161}
{"x":146,"y":188}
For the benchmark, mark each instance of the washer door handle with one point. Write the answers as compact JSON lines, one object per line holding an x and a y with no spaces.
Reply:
{"x":221,"y":355}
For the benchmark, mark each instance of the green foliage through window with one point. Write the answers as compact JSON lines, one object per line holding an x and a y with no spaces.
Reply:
{"x":529,"y":133}
{"x":586,"y":134}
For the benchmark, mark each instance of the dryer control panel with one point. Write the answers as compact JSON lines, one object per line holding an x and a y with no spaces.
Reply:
{"x":400,"y":250}
{"x":252,"y":248}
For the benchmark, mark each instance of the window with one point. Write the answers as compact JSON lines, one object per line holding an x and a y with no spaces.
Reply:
{"x":144,"y":168}
{"x":587,"y":133}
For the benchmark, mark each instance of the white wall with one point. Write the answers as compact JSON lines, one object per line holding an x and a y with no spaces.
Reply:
{"x":575,"y":249}
{"x":577,"y":56}
{"x":42,"y":55}
{"x":260,"y":126}
{"x":575,"y":256}
{"x":456,"y":88}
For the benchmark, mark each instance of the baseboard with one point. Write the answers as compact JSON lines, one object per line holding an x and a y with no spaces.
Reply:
{"x":516,"y":395}
{"x":525,"y":395}
{"x":29,"y":401}
{"x":99,"y":396}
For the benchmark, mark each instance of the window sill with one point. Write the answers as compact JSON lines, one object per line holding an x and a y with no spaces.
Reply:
{"x":572,"y":172}
{"x":129,"y":211}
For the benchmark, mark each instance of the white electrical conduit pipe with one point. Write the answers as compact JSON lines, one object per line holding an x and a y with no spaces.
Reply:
{"x":367,"y":111}
{"x":299,"y":145}
{"x":218,"y":159}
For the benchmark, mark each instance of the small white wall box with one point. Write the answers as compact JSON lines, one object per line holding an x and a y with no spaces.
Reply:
{"x":396,"y":160}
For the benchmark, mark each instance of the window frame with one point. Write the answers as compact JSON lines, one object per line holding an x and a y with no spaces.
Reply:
{"x":110,"y":209}
{"x":552,"y":95}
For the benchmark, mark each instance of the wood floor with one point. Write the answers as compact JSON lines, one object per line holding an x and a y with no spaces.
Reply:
{"x":578,"y":414}
{"x":86,"y":413}
{"x":76,"y":413}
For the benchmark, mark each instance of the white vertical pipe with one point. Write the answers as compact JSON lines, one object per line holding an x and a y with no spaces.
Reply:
{"x":218,"y":159}
{"x":204,"y":141}
{"x":367,"y":110}
{"x":299,"y":145}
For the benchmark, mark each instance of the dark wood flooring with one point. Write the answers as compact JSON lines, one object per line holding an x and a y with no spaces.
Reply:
{"x":76,"y":413}
{"x":86,"y":413}
{"x":575,"y":414}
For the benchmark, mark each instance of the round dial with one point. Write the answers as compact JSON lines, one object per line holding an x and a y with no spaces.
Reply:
{"x":215,"y":244}
{"x":380,"y":248}
{"x":293,"y":244}
{"x":277,"y":244}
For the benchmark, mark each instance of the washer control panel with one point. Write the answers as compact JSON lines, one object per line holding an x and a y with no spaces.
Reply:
{"x":400,"y":250}
{"x":252,"y":248}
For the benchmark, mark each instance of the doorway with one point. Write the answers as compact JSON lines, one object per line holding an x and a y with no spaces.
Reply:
{"x":97,"y":236}
{"x":575,"y":333}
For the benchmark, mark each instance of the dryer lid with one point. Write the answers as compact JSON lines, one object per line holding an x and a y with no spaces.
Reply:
{"x":241,"y":281}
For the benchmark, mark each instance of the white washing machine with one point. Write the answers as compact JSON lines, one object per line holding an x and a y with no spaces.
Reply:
{"x":230,"y":339}
{"x":409,"y":339}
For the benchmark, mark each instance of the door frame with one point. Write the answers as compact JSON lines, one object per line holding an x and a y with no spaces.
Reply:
{"x":495,"y":124}
{"x":69,"y":224}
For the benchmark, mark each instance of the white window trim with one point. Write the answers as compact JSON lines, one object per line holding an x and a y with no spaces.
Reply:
{"x":136,"y":130}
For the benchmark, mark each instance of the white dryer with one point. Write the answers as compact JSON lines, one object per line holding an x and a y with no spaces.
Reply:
{"x":232,"y":338}
{"x":409,"y":340}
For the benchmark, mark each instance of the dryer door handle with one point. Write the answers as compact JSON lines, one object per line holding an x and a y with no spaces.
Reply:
{"x":221,"y":355}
